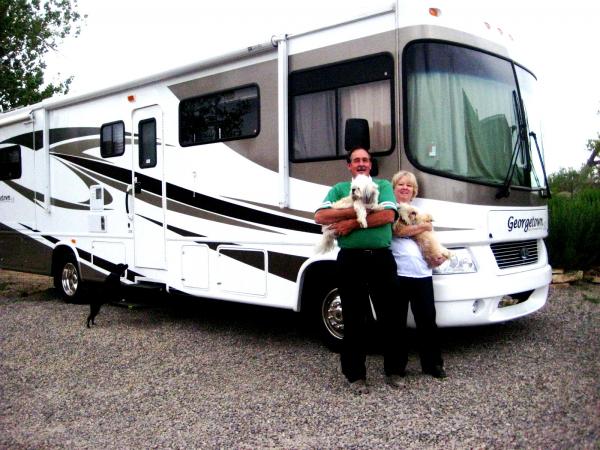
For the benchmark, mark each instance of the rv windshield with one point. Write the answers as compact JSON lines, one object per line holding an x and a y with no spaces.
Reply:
{"x":462,"y":117}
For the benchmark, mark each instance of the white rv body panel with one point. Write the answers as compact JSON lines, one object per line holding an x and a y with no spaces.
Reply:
{"x":232,"y":219}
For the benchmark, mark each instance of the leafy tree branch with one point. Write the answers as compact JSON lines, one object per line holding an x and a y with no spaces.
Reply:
{"x":28,"y":30}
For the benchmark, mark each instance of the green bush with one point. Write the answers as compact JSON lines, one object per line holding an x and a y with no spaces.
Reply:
{"x":574,"y":230}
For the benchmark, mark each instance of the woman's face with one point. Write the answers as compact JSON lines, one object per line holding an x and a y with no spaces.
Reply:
{"x":403,"y":190}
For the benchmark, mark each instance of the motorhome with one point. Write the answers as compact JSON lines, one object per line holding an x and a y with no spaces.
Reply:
{"x":204,"y":179}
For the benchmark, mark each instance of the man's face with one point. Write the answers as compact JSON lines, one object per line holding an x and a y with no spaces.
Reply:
{"x":360,"y":162}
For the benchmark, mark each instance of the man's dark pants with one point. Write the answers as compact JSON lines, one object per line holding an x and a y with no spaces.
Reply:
{"x":363,"y":274}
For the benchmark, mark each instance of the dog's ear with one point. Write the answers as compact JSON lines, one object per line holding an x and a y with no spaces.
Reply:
{"x":369,"y":196}
{"x":413,"y":217}
{"x":404,"y":212}
{"x":404,"y":217}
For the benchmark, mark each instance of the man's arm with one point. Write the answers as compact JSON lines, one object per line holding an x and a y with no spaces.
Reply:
{"x":374,"y":219}
{"x":328,"y":216}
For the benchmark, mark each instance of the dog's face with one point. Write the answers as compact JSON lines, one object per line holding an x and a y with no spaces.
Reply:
{"x":364,"y":189}
{"x":410,"y":215}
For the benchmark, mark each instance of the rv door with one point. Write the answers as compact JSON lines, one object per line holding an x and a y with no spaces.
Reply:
{"x":148,"y":203}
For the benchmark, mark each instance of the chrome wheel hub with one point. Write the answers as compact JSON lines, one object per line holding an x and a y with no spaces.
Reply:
{"x":332,"y":314}
{"x":69,"y":279}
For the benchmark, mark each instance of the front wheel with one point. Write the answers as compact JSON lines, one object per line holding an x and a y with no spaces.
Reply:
{"x":328,"y":317}
{"x":67,"y":279}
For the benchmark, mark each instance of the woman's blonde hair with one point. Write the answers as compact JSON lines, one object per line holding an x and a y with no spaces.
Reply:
{"x":411,"y":179}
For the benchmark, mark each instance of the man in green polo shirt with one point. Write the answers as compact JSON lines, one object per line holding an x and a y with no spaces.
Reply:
{"x":366,"y":269}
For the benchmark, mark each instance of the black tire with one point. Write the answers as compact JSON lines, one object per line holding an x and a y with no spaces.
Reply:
{"x":67,"y":278}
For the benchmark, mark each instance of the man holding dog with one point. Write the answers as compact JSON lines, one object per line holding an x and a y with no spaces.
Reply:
{"x":366,"y":269}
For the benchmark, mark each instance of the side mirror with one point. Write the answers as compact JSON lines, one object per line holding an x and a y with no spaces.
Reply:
{"x":356,"y":134}
{"x":374,"y":167}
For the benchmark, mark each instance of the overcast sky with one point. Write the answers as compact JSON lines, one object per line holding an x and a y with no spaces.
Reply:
{"x":141,"y":37}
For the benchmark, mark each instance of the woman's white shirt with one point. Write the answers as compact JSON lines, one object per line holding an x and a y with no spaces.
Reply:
{"x":409,"y":260}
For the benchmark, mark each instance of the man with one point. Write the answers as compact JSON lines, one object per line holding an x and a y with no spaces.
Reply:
{"x":366,"y":269}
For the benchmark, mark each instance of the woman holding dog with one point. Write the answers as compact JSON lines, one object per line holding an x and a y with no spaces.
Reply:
{"x":415,"y":281}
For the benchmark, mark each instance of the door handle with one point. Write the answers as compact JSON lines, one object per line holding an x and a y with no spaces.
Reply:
{"x":137,"y":187}
{"x":127,"y":192}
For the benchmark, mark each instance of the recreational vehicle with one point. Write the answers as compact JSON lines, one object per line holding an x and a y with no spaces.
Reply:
{"x":204,"y":179}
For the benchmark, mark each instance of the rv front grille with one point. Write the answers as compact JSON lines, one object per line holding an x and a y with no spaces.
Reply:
{"x":513,"y":254}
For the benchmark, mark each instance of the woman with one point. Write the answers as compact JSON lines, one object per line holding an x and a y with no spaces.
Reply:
{"x":415,"y":281}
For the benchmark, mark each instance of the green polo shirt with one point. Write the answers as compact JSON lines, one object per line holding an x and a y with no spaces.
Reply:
{"x":370,"y":238}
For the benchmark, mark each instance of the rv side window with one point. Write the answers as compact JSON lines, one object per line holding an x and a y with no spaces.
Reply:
{"x":10,"y":163}
{"x":112,"y":139}
{"x":147,"y":143}
{"x":220,"y":116}
{"x":321,"y":100}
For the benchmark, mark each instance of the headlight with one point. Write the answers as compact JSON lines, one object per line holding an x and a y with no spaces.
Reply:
{"x":461,"y":261}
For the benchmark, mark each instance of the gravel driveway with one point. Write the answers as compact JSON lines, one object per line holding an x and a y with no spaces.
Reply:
{"x":191,"y":374}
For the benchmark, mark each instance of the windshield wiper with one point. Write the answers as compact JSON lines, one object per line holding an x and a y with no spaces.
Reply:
{"x":544,"y":191}
{"x":504,"y":190}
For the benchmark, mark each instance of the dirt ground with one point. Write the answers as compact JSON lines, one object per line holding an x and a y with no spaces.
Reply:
{"x":184,"y":374}
{"x":22,"y":284}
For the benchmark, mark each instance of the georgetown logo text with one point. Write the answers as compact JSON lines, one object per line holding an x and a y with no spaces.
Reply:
{"x":526,"y":224}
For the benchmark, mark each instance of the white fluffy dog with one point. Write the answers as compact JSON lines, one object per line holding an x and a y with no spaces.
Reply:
{"x":430,"y":247}
{"x":364,"y":197}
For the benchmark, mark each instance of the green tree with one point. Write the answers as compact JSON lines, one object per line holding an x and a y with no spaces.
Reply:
{"x":593,"y":145}
{"x":28,"y":30}
{"x":565,"y":181}
{"x":573,"y":181}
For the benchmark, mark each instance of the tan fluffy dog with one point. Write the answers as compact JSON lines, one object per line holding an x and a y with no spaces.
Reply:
{"x":430,"y":246}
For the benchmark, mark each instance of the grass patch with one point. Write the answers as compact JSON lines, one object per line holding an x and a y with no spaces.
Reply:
{"x":591,"y":298}
{"x":573,"y":230}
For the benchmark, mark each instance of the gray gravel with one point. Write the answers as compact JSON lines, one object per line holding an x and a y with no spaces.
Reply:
{"x":176,"y":374}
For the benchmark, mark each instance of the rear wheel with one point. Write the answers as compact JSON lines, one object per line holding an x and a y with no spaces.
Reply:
{"x":67,"y":278}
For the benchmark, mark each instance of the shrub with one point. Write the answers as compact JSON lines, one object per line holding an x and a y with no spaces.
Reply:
{"x":574,"y":230}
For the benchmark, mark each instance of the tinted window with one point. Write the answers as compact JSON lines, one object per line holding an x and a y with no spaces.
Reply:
{"x":112,"y":139}
{"x":321,"y":99}
{"x":221,"y":116}
{"x":10,"y":163}
{"x":147,"y":143}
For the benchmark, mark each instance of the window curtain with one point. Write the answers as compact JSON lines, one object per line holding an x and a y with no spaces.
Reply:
{"x":461,"y":124}
{"x":371,"y":101}
{"x":314,"y":125}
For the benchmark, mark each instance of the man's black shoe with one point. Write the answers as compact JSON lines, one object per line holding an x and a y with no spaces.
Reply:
{"x":436,"y":372}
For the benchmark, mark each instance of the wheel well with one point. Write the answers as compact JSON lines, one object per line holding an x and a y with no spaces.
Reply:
{"x":315,"y":276}
{"x":60,"y":254}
